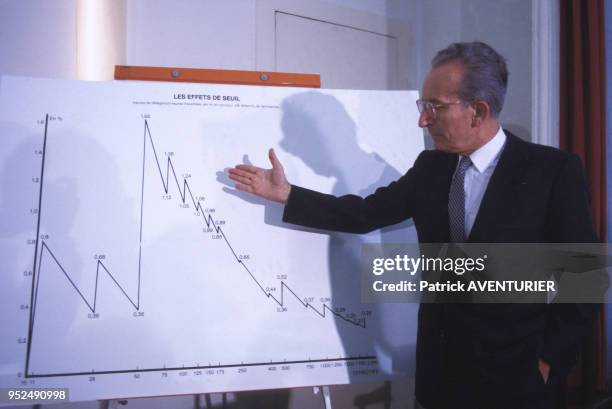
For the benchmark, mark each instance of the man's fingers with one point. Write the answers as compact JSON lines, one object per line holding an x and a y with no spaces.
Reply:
{"x":244,"y":188}
{"x":245,"y":180}
{"x":246,"y":168}
{"x":273,"y":159}
{"x":241,"y":173}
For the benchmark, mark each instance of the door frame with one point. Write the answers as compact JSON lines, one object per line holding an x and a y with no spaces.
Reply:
{"x":265,"y":31}
{"x":545,"y":72}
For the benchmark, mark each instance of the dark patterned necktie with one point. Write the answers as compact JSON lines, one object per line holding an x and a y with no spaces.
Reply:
{"x":456,"y":201}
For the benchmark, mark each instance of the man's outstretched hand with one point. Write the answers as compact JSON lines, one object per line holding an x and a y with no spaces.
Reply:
{"x":267,"y":183}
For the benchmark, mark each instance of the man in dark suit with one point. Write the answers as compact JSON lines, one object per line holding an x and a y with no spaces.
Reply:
{"x":484,"y":185}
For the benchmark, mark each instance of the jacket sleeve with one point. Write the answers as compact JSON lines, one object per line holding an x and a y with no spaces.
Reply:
{"x":569,"y":221}
{"x":351,"y":213}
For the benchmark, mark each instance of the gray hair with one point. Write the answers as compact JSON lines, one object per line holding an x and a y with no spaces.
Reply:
{"x":485,"y":77}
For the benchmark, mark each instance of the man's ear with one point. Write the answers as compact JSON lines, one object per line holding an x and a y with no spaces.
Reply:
{"x":482,"y":112}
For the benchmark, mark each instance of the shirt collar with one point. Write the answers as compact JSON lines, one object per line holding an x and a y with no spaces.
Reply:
{"x":484,"y":156}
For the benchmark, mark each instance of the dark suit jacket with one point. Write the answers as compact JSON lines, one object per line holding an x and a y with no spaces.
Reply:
{"x":480,"y":355}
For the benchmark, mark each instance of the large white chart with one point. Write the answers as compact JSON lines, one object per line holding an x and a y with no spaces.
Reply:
{"x":131,"y":267}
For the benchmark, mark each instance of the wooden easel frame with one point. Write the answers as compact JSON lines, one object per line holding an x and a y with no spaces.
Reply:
{"x":235,"y":77}
{"x":278,"y":79}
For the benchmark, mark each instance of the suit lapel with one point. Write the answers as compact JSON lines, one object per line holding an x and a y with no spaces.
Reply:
{"x":502,"y":188}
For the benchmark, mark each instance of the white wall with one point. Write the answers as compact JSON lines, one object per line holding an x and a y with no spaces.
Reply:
{"x":191,"y":33}
{"x":38,"y":38}
{"x":396,"y":9}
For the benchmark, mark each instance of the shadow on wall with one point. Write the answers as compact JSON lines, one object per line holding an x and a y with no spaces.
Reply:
{"x":518,"y":130}
{"x":318,"y":130}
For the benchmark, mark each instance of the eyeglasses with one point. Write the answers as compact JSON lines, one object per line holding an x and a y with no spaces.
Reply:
{"x":430,"y":108}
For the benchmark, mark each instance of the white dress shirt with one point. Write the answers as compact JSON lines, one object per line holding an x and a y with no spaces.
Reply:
{"x":477,"y":176}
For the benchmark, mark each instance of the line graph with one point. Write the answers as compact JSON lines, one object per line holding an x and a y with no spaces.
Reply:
{"x":208,"y":220}
{"x":186,"y":194}
{"x":184,"y":190}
